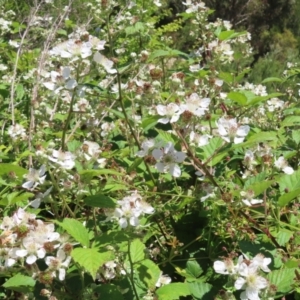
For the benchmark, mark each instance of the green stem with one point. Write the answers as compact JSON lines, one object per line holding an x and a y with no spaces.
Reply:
{"x":130,"y":127}
{"x":131,"y":273}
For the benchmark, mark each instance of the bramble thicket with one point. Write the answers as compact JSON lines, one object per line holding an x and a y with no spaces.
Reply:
{"x":139,"y":161}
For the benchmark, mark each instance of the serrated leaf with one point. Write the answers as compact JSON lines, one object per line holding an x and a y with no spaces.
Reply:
{"x":173,"y":291}
{"x":90,"y":259}
{"x":135,"y":164}
{"x":148,"y":273}
{"x":193,"y":269}
{"x":20,"y":283}
{"x":289,"y":182}
{"x":6,"y":168}
{"x":137,"y":251}
{"x":259,"y":99}
{"x":292,"y":263}
{"x":296,"y":136}
{"x":262,"y":137}
{"x":100,"y":200}
{"x":286,"y":198}
{"x":211,"y":149}
{"x":149,"y":122}
{"x":260,"y":187}
{"x":283,"y":236}
{"x":283,"y":279}
{"x":238,"y":97}
{"x":166,"y":136}
{"x":290,"y":121}
{"x":109,"y":292}
{"x":76,"y":230}
{"x":199,"y":289}
{"x":227,"y":77}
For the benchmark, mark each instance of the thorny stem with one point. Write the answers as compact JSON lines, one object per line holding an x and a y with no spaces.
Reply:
{"x":198,"y":164}
{"x":129,"y":125}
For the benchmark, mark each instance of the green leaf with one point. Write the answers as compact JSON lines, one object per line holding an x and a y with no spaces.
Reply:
{"x":193,"y":269}
{"x":76,"y":230}
{"x":6,"y":168}
{"x":283,"y":236}
{"x":166,"y":136}
{"x":272,"y":79}
{"x":212,"y":149}
{"x":262,"y":137}
{"x":238,"y":97}
{"x":173,"y":291}
{"x":199,"y":289}
{"x":286,"y":198}
{"x":227,"y":77}
{"x":289,"y":182}
{"x":148,"y":273}
{"x":89,"y":174}
{"x":137,"y":251}
{"x":259,"y":99}
{"x":100,"y":200}
{"x":260,"y":187}
{"x":149,"y":122}
{"x":166,"y":53}
{"x":108,"y":291}
{"x":90,"y":259}
{"x":135,"y":164}
{"x":296,"y":136}
{"x":283,"y":279}
{"x":290,"y":121}
{"x":20,"y":283}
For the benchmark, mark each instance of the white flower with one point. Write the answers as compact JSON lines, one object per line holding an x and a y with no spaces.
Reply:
{"x":64,"y":159}
{"x":58,"y":264}
{"x":146,"y":146}
{"x":14,"y":44}
{"x":171,"y":112}
{"x":248,"y":198}
{"x":91,"y":150}
{"x":196,"y":105}
{"x":33,"y":249}
{"x":163,"y":280}
{"x":274,"y":104}
{"x":131,"y":208}
{"x":200,"y":140}
{"x":60,"y":80}
{"x":261,"y":262}
{"x":168,"y":158}
{"x":16,"y":131}
{"x":35,"y":177}
{"x":104,"y":62}
{"x":282,"y":164}
{"x":39,"y":198}
{"x":251,"y":282}
{"x":157,"y":3}
{"x":230,"y":130}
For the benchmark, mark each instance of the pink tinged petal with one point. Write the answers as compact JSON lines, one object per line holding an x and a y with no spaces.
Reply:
{"x":49,"y":259}
{"x":61,"y":274}
{"x":175,"y":170}
{"x":239,"y":283}
{"x":31,"y":259}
